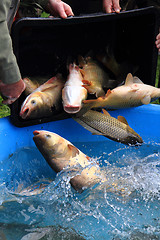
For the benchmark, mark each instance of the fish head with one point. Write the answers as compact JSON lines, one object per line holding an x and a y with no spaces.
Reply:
{"x":53,"y":146}
{"x":72,"y":97}
{"x":31,"y":106}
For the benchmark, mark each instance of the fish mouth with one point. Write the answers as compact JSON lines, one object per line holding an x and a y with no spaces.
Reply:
{"x":72,"y":109}
{"x":24,"y":113}
{"x":36,"y":132}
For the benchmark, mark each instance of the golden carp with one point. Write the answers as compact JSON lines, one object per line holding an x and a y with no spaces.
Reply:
{"x":95,"y":78}
{"x":60,"y":154}
{"x":110,"y":127}
{"x":132,"y":94}
{"x":73,"y":92}
{"x":43,"y":100}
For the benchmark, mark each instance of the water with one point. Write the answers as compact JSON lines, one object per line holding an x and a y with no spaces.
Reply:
{"x":126,"y":207}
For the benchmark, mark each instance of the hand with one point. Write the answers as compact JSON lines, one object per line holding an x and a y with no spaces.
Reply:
{"x":157,"y":42}
{"x":58,"y":8}
{"x":110,"y":6}
{"x":11,"y":91}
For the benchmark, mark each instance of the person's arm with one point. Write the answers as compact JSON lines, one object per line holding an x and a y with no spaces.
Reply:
{"x":9,"y":70}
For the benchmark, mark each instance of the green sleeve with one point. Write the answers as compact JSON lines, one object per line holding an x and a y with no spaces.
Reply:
{"x":9,"y":70}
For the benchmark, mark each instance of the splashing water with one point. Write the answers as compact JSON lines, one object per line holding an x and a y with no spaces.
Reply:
{"x":38,"y":204}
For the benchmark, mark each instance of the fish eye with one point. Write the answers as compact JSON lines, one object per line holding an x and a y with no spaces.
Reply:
{"x":33,"y":102}
{"x":48,"y":136}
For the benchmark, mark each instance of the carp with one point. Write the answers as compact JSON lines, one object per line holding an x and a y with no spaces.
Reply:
{"x":95,"y":78}
{"x":132,"y":94}
{"x":60,"y":154}
{"x":73,"y":92}
{"x":44,"y":100}
{"x":115,"y":129}
{"x":119,"y":70}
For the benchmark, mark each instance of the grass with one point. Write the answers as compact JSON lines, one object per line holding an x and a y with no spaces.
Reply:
{"x":5,"y":110}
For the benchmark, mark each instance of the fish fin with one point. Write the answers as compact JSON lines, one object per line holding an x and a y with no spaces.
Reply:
{"x":105,"y":112}
{"x":86,"y":83}
{"x":51,"y":80}
{"x":129,"y":79}
{"x":146,"y":100}
{"x":123,"y":120}
{"x":108,"y":93}
{"x":82,"y":72}
{"x":92,"y":130}
{"x":137,"y":80}
{"x":51,"y":87}
{"x":74,"y":150}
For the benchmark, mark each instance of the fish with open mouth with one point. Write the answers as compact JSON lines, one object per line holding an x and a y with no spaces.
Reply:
{"x":60,"y":154}
{"x":42,"y":101}
{"x":73,"y":92}
{"x":115,"y":129}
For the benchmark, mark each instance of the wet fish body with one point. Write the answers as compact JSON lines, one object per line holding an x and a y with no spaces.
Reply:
{"x":73,"y":92}
{"x":115,"y":129}
{"x":60,"y":154}
{"x":43,"y":100}
{"x":132,"y":94}
{"x":95,"y":78}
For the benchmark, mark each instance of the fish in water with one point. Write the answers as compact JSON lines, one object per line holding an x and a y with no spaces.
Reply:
{"x":95,"y":78}
{"x":132,"y":94}
{"x":73,"y":92}
{"x":60,"y":154}
{"x":110,"y":127}
{"x":42,"y":101}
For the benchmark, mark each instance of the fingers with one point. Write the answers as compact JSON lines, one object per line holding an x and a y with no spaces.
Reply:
{"x":157,"y":42}
{"x":68,"y":10}
{"x":9,"y":101}
{"x":58,"y":8}
{"x":110,"y":6}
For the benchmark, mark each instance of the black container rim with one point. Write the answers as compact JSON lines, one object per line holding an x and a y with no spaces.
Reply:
{"x":83,"y":18}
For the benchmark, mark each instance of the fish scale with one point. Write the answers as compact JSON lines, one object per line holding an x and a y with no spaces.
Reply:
{"x":103,"y":124}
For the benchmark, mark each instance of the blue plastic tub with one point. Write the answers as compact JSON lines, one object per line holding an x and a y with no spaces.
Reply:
{"x":144,"y":120}
{"x":95,"y":214}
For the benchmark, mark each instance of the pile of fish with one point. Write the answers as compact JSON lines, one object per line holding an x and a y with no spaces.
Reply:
{"x":87,"y":89}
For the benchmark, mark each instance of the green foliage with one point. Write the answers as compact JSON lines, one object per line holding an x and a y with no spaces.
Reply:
{"x":4,"y":109}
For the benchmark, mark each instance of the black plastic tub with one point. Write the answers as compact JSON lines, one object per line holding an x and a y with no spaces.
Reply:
{"x":43,"y":45}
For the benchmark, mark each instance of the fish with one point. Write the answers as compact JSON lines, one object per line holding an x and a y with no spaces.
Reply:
{"x":60,"y":154}
{"x":44,"y":101}
{"x":120,"y":70}
{"x":95,"y":79}
{"x":30,"y":85}
{"x":34,"y":189}
{"x":115,"y":129}
{"x":133,"y":93}
{"x":73,"y":92}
